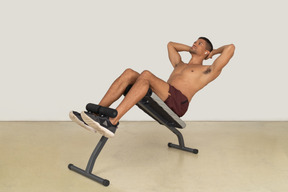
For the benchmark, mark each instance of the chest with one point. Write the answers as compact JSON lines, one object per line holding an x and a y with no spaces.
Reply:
{"x":191,"y":70}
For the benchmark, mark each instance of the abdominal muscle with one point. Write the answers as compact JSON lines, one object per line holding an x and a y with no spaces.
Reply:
{"x":180,"y":84}
{"x":187,"y":79}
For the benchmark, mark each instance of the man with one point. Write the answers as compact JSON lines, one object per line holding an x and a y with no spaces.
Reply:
{"x":185,"y":80}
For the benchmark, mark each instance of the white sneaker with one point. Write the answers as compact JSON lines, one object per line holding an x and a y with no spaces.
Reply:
{"x":102,"y":124}
{"x":76,"y":117}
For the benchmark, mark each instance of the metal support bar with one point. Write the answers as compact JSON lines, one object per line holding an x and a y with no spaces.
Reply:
{"x":95,"y":154}
{"x":181,"y":145}
{"x":90,"y":164}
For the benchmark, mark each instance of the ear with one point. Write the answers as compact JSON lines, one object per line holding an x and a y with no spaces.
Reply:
{"x":207,"y":53}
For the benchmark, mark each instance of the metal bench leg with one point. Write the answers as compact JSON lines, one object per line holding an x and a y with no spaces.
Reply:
{"x":181,"y":145}
{"x":88,"y":171}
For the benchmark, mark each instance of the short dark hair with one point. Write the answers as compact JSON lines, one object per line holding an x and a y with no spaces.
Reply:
{"x":209,"y":45}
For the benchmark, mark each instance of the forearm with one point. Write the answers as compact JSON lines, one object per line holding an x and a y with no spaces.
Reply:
{"x":226,"y":53}
{"x":178,"y":46}
{"x":222,"y":49}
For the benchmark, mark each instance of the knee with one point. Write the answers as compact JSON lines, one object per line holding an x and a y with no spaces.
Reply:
{"x":145,"y":75}
{"x":130,"y":74}
{"x":128,"y":71}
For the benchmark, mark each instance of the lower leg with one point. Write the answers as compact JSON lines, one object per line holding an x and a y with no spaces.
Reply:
{"x":118,"y":87}
{"x":136,"y":93}
{"x":145,"y":81}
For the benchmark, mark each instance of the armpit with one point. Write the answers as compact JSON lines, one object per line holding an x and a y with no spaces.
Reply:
{"x":208,"y":70}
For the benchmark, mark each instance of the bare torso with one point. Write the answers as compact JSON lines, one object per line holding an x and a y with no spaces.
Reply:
{"x":189,"y":79}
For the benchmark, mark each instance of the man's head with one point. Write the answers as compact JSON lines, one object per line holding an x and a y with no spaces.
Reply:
{"x":209,"y":46}
{"x":202,"y":46}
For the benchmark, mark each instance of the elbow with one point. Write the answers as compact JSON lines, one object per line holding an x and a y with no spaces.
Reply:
{"x":171,"y":43}
{"x":231,"y":49}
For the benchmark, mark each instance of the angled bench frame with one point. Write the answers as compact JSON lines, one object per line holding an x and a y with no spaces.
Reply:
{"x":158,"y":110}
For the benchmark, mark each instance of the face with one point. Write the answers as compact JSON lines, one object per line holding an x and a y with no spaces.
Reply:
{"x":199,"y":47}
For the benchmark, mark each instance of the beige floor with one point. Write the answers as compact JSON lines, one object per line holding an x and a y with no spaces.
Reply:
{"x":233,"y":156}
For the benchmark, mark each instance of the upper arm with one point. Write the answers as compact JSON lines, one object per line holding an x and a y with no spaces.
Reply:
{"x":174,"y":56}
{"x":223,"y":59}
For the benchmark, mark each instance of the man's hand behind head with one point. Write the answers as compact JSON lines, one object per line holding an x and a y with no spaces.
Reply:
{"x":210,"y":55}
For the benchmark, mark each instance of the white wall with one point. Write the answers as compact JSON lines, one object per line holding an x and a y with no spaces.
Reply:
{"x":58,"y":55}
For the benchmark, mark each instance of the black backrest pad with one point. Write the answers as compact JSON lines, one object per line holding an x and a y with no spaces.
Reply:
{"x":158,"y":110}
{"x":154,"y":110}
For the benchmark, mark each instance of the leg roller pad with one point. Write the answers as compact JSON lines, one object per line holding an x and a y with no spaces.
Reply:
{"x":101,"y":110}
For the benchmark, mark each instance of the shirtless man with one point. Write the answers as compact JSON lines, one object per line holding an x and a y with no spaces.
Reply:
{"x":185,"y":80}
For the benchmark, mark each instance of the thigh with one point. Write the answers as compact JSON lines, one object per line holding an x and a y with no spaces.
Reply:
{"x":159,"y":87}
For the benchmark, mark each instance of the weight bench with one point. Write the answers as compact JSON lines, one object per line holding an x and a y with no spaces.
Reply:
{"x":154,"y":107}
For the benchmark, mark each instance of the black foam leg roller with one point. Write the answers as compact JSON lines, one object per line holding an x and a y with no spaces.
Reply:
{"x":101,"y":110}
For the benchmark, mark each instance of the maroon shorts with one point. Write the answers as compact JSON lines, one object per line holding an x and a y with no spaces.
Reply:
{"x":177,"y":101}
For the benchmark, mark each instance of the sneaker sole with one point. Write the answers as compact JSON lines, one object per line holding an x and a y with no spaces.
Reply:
{"x":102,"y":130}
{"x":82,"y":124}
